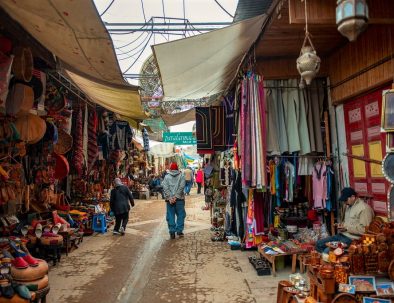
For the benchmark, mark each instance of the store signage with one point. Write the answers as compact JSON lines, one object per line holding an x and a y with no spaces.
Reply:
{"x":181,"y":138}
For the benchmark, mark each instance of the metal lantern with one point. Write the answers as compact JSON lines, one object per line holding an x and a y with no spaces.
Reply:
{"x":352,"y":17}
{"x":308,"y":63}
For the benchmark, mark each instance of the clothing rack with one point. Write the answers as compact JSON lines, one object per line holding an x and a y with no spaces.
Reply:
{"x":302,"y":156}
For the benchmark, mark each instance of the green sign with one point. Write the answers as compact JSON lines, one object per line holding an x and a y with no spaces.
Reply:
{"x":185,"y":138}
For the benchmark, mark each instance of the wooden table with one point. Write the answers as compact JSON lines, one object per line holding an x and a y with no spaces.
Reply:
{"x":271,"y":259}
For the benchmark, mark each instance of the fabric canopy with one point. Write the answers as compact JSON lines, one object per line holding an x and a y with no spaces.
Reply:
{"x":75,"y":34}
{"x":121,"y":101}
{"x":179,"y":118}
{"x":165,"y":150}
{"x":205,"y":64}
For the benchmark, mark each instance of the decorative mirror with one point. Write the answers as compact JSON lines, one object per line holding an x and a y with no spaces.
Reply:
{"x":388,"y":111}
{"x":390,"y":204}
{"x":388,"y":167}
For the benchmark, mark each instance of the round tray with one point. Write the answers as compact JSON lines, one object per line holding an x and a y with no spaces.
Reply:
{"x":344,"y":298}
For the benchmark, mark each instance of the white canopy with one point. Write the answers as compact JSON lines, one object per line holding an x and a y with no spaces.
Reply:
{"x":205,"y":64}
{"x":75,"y":34}
{"x":179,"y":118}
{"x":164,"y":150}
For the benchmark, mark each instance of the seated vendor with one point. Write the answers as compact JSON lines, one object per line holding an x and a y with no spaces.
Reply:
{"x":155,"y":185}
{"x":358,"y":215}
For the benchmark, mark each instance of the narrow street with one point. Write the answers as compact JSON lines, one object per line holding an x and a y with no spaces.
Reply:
{"x":145,"y":266}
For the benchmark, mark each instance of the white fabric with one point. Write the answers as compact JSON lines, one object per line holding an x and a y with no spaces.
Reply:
{"x":75,"y":34}
{"x":205,"y":64}
{"x":164,"y":150}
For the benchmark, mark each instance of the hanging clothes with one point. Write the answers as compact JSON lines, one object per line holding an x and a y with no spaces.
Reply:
{"x":145,"y":138}
{"x":228,"y":104}
{"x":281,"y":122}
{"x":330,"y":186}
{"x":305,"y":166}
{"x":77,"y":158}
{"x":289,"y":96}
{"x":272,"y":127}
{"x":290,"y":181}
{"x":319,"y":184}
{"x":121,"y":135}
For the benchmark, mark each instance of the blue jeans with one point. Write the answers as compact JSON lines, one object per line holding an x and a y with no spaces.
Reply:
{"x":188,"y":186}
{"x":321,"y":244}
{"x":177,"y":209}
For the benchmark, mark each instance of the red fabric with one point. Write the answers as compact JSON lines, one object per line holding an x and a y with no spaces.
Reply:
{"x":173,"y":166}
{"x":62,"y":167}
{"x":200,"y":176}
{"x":92,"y":139}
{"x":78,"y":143}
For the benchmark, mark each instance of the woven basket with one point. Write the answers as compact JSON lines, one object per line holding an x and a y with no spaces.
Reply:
{"x":64,"y":143}
{"x":22,"y":67}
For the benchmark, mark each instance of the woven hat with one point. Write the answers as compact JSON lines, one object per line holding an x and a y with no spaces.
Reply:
{"x":20,"y":100}
{"x":64,"y":143}
{"x":22,"y":67}
{"x":54,"y":99}
{"x":31,"y":128}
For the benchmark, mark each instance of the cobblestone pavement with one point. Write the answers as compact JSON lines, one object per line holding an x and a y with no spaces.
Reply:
{"x":145,"y":266}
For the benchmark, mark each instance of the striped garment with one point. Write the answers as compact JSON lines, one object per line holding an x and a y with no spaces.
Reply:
{"x":92,"y":138}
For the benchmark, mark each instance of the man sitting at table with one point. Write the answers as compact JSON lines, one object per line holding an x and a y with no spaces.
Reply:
{"x":358,"y":215}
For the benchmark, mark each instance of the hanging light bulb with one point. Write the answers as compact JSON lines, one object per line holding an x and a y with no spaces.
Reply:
{"x":352,"y":17}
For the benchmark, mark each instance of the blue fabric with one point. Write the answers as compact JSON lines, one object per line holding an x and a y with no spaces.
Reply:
{"x":175,"y":216}
{"x":330,"y":178}
{"x":321,"y":244}
{"x":188,"y":186}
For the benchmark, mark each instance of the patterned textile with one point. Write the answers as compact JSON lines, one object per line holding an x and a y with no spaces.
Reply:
{"x":218,"y":128}
{"x":253,"y":132}
{"x":203,"y":130}
{"x":77,"y":159}
{"x":92,"y":138}
{"x":145,"y":138}
{"x":228,"y":104}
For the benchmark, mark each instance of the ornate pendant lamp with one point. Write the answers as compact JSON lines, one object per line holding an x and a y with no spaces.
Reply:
{"x":308,"y":63}
{"x":352,"y":17}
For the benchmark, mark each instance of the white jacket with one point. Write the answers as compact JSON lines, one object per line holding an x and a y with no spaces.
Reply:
{"x":357,"y":217}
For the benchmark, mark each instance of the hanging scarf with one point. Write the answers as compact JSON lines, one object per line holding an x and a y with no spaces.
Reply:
{"x":78,"y":143}
{"x":92,"y":139}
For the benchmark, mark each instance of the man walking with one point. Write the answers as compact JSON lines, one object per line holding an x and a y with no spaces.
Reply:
{"x":173,"y":187}
{"x":188,"y":180}
{"x":120,"y":201}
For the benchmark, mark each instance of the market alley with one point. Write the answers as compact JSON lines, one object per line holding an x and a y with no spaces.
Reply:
{"x":145,"y":266}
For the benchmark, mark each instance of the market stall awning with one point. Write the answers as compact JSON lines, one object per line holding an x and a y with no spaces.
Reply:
{"x":75,"y":34}
{"x":205,"y":64}
{"x":179,"y":118}
{"x":121,"y":100}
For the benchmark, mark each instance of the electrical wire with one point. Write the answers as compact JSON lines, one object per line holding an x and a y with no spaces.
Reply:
{"x":135,"y":53}
{"x":108,"y":7}
{"x":123,"y":46}
{"x":135,"y":61}
{"x":224,"y":9}
{"x":184,"y":17}
{"x":143,"y":9}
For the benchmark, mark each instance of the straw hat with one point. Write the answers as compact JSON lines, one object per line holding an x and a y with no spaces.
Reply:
{"x":20,"y":100}
{"x":64,"y":143}
{"x":22,"y":67}
{"x":31,"y":128}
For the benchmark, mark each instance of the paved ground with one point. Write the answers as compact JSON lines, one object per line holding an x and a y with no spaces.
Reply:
{"x":145,"y":266}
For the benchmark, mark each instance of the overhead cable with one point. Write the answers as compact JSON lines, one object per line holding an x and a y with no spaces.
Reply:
{"x":108,"y":7}
{"x":143,"y":9}
{"x":146,"y":44}
{"x":224,"y":9}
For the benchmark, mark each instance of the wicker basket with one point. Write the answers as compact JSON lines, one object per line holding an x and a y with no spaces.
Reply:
{"x":64,"y":143}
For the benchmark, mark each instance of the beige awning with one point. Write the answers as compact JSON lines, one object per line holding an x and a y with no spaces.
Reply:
{"x":179,"y":118}
{"x":205,"y":64}
{"x":75,"y":34}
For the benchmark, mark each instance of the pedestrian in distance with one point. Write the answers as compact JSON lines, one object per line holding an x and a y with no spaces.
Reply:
{"x":121,"y":202}
{"x":199,"y":179}
{"x":189,"y":176}
{"x":173,"y":187}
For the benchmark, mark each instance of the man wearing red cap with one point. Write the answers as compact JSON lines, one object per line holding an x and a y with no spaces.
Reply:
{"x":173,"y":188}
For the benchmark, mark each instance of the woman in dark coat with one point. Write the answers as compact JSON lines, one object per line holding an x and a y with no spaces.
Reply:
{"x":121,"y":198}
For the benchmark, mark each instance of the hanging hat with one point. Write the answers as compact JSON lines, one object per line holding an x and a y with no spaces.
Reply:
{"x":64,"y":143}
{"x":173,"y":166}
{"x":31,"y":128}
{"x":20,"y":100}
{"x":62,"y":167}
{"x":22,"y":67}
{"x":54,"y":99}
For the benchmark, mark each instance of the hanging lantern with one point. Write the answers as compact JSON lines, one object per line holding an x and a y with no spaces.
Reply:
{"x":308,"y":63}
{"x":352,"y":17}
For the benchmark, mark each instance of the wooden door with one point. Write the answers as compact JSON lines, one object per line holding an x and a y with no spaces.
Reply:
{"x":362,"y":123}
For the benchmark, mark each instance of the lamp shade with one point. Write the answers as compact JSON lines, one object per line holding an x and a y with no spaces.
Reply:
{"x":352,"y":17}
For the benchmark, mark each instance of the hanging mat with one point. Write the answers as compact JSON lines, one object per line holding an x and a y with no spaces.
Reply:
{"x":31,"y":128}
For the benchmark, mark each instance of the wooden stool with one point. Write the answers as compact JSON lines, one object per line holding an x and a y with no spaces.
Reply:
{"x":282,"y":284}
